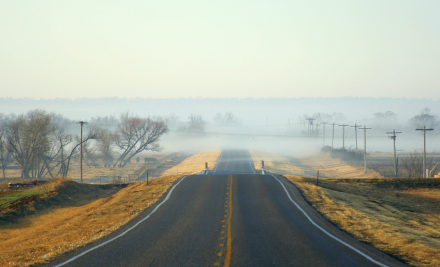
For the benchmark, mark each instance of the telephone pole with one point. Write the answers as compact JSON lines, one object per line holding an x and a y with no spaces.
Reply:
{"x":323,"y":132}
{"x":356,"y":135}
{"x":424,"y":147}
{"x":394,"y":141}
{"x":310,"y":125}
{"x":343,"y":135}
{"x":81,"y":146}
{"x":333,"y":133}
{"x":365,"y":147}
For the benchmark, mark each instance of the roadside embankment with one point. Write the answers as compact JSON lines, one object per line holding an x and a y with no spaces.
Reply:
{"x":56,"y":230}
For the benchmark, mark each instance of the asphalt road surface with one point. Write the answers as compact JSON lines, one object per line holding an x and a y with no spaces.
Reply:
{"x":234,"y":216}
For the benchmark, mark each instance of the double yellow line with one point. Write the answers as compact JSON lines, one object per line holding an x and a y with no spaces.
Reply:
{"x":229,"y":243}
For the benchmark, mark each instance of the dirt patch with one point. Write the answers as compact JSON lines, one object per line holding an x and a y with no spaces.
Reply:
{"x":402,"y":222}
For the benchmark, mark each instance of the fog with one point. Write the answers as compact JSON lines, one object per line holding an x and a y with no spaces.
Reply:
{"x":272,"y":125}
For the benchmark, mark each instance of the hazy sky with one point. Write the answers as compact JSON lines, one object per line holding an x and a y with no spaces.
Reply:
{"x":170,"y":48}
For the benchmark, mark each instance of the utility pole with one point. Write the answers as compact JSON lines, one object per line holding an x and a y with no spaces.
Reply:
{"x":343,"y":135}
{"x":356,"y":135}
{"x":394,"y":141}
{"x":365,"y":147}
{"x":333,"y":133}
{"x":424,"y":147}
{"x":323,"y":132}
{"x":81,"y":146}
{"x":310,"y":125}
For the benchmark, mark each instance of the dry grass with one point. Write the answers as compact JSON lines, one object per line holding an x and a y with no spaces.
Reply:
{"x":403,"y":223}
{"x":38,"y":238}
{"x":195,"y":163}
{"x":92,"y":174}
{"x":308,"y":166}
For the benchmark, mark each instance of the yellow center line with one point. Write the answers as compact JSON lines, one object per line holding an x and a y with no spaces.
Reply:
{"x":229,"y":242}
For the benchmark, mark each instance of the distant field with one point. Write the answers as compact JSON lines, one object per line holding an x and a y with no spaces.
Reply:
{"x":308,"y":166}
{"x":101,"y":174}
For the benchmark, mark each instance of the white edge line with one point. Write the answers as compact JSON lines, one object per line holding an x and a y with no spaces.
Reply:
{"x":327,"y":233}
{"x":250,"y":160}
{"x":125,"y":232}
{"x":220,"y":158}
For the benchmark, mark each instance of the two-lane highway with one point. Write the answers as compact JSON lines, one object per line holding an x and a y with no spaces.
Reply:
{"x":230,"y":217}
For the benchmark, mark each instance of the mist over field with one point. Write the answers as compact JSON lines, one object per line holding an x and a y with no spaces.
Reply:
{"x":269,"y":124}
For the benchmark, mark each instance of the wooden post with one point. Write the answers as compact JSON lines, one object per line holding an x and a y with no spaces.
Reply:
{"x":148,"y":171}
{"x":317,"y":179}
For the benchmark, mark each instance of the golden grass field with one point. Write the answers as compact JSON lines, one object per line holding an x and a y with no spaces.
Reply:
{"x":327,"y":166}
{"x":91,"y":173}
{"x":401,"y":221}
{"x":195,"y":163}
{"x":88,"y":215}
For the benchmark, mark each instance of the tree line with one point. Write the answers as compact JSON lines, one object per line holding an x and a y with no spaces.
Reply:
{"x":42,"y":146}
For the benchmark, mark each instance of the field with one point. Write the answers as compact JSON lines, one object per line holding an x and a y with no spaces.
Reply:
{"x":101,"y":174}
{"x":308,"y":166}
{"x":397,"y":215}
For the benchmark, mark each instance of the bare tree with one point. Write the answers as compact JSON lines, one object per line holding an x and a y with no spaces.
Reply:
{"x":338,"y":117}
{"x":135,"y":135}
{"x":29,"y":140}
{"x":385,"y":116}
{"x":228,"y":118}
{"x":413,"y":164}
{"x":5,"y":156}
{"x":91,"y":156}
{"x":172,"y":120}
{"x":58,"y":157}
{"x":104,"y":146}
{"x":322,"y":117}
{"x":196,"y":123}
{"x":93,"y":133}
{"x":425,"y":118}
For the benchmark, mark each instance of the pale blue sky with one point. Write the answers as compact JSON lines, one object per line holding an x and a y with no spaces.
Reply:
{"x":170,"y":48}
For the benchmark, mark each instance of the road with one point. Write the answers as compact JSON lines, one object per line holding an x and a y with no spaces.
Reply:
{"x":233,"y":216}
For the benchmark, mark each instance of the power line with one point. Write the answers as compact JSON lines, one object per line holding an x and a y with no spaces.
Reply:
{"x":356,"y":136}
{"x":343,"y":135}
{"x":365,"y":147}
{"x":323,"y":133}
{"x":394,"y":141}
{"x":333,"y":133}
{"x":424,"y":147}
{"x":310,"y":125}
{"x":81,"y":153}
